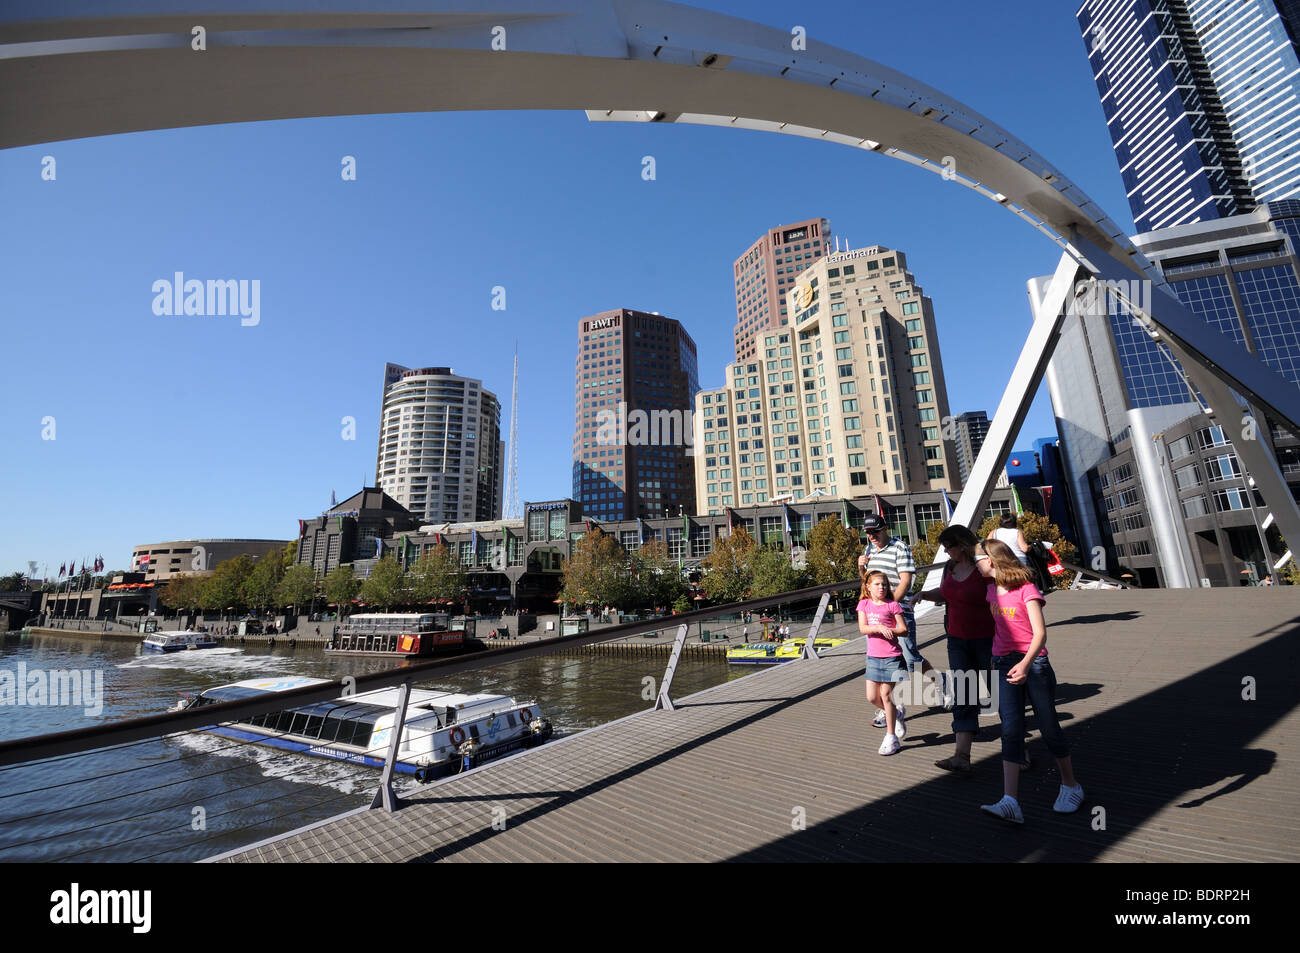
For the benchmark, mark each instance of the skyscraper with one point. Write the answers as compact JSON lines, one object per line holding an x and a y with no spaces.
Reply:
{"x":635,"y":377}
{"x":440,"y":450}
{"x":1202,"y":102}
{"x":971,"y":429}
{"x":1115,"y":391}
{"x":767,"y":271}
{"x":846,"y":401}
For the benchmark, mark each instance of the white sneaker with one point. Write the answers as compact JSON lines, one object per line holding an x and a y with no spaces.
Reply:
{"x":900,"y":726}
{"x":879,"y":720}
{"x":1008,"y":809}
{"x":1068,"y":801}
{"x":889,"y":745}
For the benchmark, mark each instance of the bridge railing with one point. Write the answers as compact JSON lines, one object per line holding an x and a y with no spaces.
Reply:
{"x":159,"y":787}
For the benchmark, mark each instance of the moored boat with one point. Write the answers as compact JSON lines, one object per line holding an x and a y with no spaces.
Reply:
{"x":403,"y":634}
{"x":443,"y":731}
{"x":772,"y":653}
{"x":177,"y":641}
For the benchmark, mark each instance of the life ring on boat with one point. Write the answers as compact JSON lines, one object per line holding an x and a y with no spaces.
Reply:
{"x":457,"y":736}
{"x":525,"y":715}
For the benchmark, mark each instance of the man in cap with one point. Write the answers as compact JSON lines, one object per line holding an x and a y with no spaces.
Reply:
{"x":893,"y":557}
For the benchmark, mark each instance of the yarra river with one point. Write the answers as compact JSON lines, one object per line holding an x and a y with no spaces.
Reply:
{"x":192,"y":795}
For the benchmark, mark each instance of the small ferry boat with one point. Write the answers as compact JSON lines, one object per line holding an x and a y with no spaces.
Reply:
{"x":772,"y":653}
{"x":444,"y":732}
{"x":178,"y":641}
{"x":403,"y":634}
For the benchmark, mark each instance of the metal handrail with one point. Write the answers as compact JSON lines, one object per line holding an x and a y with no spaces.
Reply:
{"x":20,"y":750}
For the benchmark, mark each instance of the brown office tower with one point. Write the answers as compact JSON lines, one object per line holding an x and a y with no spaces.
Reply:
{"x":767,"y":271}
{"x":635,"y":380}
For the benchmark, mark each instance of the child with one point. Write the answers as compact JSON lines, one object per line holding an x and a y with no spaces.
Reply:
{"x":880,"y":619}
{"x":1020,"y":656}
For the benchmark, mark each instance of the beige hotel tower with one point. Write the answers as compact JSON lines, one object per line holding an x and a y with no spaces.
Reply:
{"x":847,"y":400}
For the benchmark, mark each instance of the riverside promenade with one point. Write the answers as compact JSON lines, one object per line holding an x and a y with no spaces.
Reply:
{"x":1180,"y":707}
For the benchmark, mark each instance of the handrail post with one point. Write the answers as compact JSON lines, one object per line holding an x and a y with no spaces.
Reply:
{"x":808,"y":651}
{"x":665,"y":700}
{"x":385,"y":797}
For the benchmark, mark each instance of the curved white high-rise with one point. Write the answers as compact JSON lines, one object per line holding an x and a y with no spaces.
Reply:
{"x":440,"y":450}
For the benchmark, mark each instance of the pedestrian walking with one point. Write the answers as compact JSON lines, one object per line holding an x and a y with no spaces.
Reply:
{"x":1020,"y":656}
{"x":963,"y":589}
{"x":892,"y":556}
{"x":880,"y":619}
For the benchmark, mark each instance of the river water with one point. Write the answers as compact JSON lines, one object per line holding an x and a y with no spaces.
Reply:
{"x":193,"y":795}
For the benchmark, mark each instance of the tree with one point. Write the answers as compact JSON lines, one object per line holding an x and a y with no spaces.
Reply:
{"x":225,"y":587}
{"x":925,"y":550}
{"x":386,"y":586}
{"x":771,"y":572}
{"x":727,"y":573}
{"x":12,"y":582}
{"x":656,"y":577}
{"x":833,"y":551}
{"x":437,"y":576}
{"x":260,"y":585}
{"x":599,"y":573}
{"x":182,"y":592}
{"x":297,"y":587}
{"x":341,"y":587}
{"x":1040,"y":529}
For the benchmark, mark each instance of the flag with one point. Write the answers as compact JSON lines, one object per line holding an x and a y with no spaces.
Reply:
{"x":730,"y":528}
{"x":785,"y":510}
{"x":947,"y":505}
{"x":641,"y":525}
{"x":1046,"y":493}
{"x":379,"y":548}
{"x":587,"y":522}
{"x":302,"y":528}
{"x":880,"y":507}
{"x":437,"y":538}
{"x":1015,"y":495}
{"x":333,"y":502}
{"x":844,"y":513}
{"x":63,"y":569}
{"x":473,"y":543}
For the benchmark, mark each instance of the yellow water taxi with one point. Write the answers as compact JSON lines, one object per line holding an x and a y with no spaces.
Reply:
{"x":771,"y":653}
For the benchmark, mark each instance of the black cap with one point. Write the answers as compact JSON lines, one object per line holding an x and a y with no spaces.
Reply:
{"x":873,"y":524}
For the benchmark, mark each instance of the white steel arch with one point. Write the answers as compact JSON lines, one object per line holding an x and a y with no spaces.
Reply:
{"x":78,"y":68}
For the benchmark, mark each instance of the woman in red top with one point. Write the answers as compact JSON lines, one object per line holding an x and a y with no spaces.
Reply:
{"x":970,"y":636}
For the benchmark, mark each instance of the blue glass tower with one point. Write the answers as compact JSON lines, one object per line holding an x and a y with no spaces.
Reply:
{"x":1202,"y":102}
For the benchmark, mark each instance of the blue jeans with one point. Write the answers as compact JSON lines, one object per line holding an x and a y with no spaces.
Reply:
{"x":1039,"y":687}
{"x":968,"y":659}
{"x":907,"y":642}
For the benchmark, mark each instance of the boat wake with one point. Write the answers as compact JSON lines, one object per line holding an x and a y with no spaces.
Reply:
{"x":283,"y":765}
{"x":210,"y":660}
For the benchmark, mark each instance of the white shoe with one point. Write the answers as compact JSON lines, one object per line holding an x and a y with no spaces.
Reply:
{"x":900,"y":726}
{"x":889,"y":745}
{"x":1008,"y":809}
{"x":1068,"y":801}
{"x":879,"y":720}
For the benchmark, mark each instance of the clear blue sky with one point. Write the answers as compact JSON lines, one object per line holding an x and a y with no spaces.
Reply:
{"x":170,"y":428}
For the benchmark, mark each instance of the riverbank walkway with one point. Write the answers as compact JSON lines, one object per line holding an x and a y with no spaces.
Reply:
{"x":1180,"y":706}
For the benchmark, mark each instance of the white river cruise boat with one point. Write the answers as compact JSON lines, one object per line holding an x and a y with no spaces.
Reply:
{"x":177,"y":641}
{"x":444,"y":732}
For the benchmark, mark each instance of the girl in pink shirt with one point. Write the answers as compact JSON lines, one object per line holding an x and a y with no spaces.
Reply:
{"x":1024,"y":674}
{"x":880,"y":619}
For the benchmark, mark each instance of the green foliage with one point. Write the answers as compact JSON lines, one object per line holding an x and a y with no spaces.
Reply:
{"x":728,"y":576}
{"x":341,"y":587}
{"x":1040,"y":529}
{"x":924,"y":550}
{"x":224,"y":589}
{"x":682,"y":604}
{"x":259,"y":587}
{"x":182,"y":592}
{"x":12,"y":582}
{"x":297,"y":587}
{"x":771,"y":572}
{"x":386,"y":586}
{"x":438,"y":576}
{"x":599,"y":573}
{"x":656,"y":578}
{"x":833,"y":551}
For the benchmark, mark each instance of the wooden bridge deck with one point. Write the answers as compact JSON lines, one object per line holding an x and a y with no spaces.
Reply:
{"x":1151,"y":688}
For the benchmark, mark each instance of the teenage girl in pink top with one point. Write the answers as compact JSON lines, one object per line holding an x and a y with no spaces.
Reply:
{"x":880,"y":619}
{"x":1020,"y":656}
